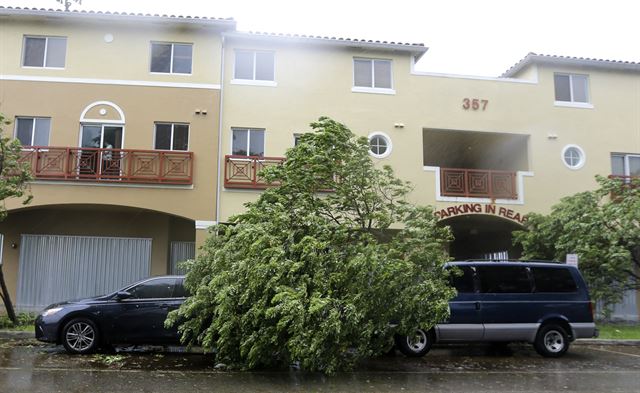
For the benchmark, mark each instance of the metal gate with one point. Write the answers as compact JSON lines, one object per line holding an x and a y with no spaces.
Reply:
{"x":56,"y":268}
{"x":181,"y":251}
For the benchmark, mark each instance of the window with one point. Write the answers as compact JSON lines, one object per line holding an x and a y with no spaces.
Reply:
{"x":296,"y":139}
{"x":170,"y":136}
{"x":573,"y":157}
{"x":33,"y":131}
{"x":254,"y":65}
{"x":553,"y":280}
{"x":180,"y":290}
{"x":160,"y":288}
{"x":504,"y":279}
{"x":171,"y":58}
{"x":379,"y":145}
{"x":571,"y":88}
{"x":247,"y":142}
{"x":625,"y":164}
{"x":372,"y":74}
{"x":47,"y":52}
{"x":462,"y":280}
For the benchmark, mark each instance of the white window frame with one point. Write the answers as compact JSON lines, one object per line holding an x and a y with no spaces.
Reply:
{"x":155,"y":135}
{"x":33,"y":128}
{"x":46,"y":48}
{"x":170,"y":59}
{"x":254,"y":81}
{"x":626,"y":165}
{"x":249,"y":129}
{"x":372,"y":89}
{"x":572,"y":103}
{"x":583,"y":157}
{"x":386,"y":138}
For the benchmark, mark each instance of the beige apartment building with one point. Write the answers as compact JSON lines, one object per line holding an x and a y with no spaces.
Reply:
{"x":144,"y":130}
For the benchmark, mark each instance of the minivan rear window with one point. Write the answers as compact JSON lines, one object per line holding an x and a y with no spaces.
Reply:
{"x":504,"y":279}
{"x":553,"y":280}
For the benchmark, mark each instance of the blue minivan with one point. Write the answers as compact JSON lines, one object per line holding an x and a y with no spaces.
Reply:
{"x":542,"y":303}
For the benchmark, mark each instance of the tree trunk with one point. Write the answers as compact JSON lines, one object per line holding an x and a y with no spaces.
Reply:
{"x":7,"y":299}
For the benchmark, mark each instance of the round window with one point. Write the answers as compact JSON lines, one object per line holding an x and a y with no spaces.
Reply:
{"x":379,"y":145}
{"x":573,"y":156}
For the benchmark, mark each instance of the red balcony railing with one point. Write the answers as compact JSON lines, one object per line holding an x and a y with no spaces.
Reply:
{"x":109,"y":165}
{"x":244,"y":171}
{"x":474,"y":183}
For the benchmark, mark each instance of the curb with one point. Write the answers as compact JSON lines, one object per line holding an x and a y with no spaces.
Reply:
{"x":20,"y":334}
{"x":596,"y":341}
{"x":15,"y":334}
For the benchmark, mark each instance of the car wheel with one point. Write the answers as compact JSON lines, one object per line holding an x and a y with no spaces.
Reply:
{"x":415,"y":345}
{"x":80,"y":336}
{"x":551,"y":341}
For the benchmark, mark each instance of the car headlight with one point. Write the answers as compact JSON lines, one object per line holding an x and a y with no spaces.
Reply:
{"x":51,"y":311}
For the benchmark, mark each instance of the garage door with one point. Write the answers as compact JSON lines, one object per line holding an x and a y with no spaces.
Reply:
{"x":180,"y":252}
{"x":56,"y":268}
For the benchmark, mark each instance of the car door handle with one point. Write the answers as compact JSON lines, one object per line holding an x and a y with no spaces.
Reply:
{"x":477,"y":305}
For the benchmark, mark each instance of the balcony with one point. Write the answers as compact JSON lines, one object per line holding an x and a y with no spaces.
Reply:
{"x":109,"y":165}
{"x":475,"y":183}
{"x":244,"y":171}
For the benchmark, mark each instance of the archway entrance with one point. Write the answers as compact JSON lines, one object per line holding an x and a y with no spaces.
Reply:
{"x":482,"y":237}
{"x":59,"y":252}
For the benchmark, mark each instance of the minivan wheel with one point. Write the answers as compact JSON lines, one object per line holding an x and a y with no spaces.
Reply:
{"x":551,"y":341}
{"x":415,"y":345}
{"x":80,"y":336}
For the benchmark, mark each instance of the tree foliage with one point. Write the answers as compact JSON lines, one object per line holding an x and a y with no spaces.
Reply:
{"x":602,"y":227}
{"x":14,"y":177}
{"x":303,"y":275}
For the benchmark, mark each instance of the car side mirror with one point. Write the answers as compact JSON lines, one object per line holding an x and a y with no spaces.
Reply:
{"x":121,"y":295}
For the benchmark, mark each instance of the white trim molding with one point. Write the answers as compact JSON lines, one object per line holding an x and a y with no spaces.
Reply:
{"x":569,"y":104}
{"x":520,"y":175}
{"x":251,"y":82}
{"x":204,"y":224}
{"x":373,"y":90}
{"x":83,"y":119}
{"x":121,"y":82}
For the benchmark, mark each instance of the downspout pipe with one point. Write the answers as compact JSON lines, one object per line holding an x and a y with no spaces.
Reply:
{"x":220,"y":132}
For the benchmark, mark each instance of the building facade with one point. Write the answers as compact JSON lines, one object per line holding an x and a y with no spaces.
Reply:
{"x":144,"y":130}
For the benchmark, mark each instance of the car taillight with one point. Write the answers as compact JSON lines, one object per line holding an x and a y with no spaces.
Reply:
{"x":593,"y":316}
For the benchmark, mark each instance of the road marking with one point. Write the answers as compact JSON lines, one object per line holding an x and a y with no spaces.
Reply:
{"x":616,"y":352}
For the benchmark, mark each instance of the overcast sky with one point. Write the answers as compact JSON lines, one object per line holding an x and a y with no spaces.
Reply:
{"x":473,"y":37}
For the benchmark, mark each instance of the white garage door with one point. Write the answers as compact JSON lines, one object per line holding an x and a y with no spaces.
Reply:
{"x":56,"y":268}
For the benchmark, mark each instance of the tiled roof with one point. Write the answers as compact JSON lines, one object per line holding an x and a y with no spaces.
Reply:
{"x":570,"y":60}
{"x":417,"y":48}
{"x":47,"y":11}
{"x":327,"y":38}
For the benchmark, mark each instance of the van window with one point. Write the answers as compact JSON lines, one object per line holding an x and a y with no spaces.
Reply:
{"x":553,"y":280}
{"x":463,"y":283}
{"x":504,"y":279}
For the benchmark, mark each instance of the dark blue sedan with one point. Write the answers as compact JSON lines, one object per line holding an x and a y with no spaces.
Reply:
{"x":133,"y":315}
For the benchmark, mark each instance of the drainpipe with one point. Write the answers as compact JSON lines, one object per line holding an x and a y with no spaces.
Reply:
{"x":220,"y":133}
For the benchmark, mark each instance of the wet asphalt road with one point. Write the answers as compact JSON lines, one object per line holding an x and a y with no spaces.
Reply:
{"x":29,"y":366}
